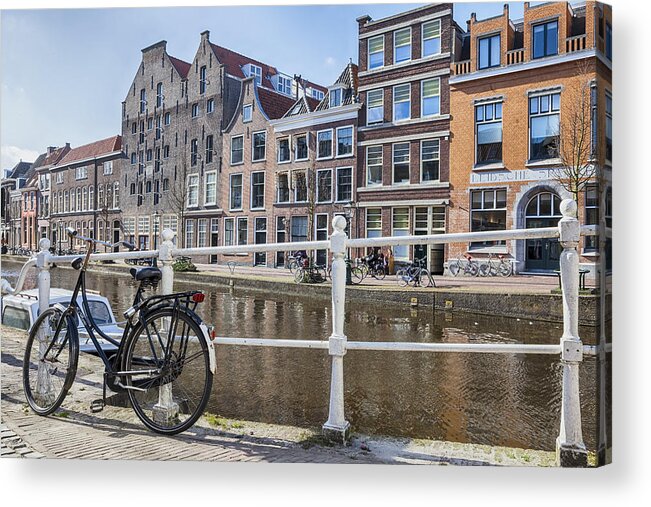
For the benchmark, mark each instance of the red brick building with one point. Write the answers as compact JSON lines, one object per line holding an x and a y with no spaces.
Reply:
{"x":404,"y":127}
{"x":521,"y":92}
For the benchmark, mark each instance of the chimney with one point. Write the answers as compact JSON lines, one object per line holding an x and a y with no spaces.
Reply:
{"x":362,"y":20}
{"x":506,"y":10}
{"x":205,"y":35}
{"x":50,"y":150}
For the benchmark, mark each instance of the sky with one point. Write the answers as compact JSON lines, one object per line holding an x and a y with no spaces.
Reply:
{"x":66,"y":71}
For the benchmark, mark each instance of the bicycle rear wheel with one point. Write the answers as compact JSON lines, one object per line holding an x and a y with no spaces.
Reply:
{"x":50,"y":361}
{"x":379,"y":272}
{"x":505,"y":269}
{"x":170,"y":375}
{"x":402,"y":277}
{"x":356,"y":275}
{"x":454,"y":268}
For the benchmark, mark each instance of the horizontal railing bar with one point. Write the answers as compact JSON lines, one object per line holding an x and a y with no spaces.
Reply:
{"x":262,"y":342}
{"x":144,"y":254}
{"x":262,"y":247}
{"x":494,"y":348}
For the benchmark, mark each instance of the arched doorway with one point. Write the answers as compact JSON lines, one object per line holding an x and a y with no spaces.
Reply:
{"x":543,"y":210}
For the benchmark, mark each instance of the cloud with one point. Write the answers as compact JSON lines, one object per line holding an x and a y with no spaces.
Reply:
{"x":330,"y":61}
{"x":11,"y":155}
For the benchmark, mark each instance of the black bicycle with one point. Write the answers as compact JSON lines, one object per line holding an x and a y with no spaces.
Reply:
{"x":164,"y":361}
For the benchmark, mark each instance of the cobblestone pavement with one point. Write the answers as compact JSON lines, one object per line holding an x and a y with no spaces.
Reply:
{"x":12,"y":446}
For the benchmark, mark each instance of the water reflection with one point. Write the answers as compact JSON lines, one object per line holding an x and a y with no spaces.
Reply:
{"x":511,"y":400}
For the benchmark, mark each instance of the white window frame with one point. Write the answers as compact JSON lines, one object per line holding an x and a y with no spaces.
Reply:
{"x":108,"y":167}
{"x":189,"y":231}
{"x":340,"y":90}
{"x":368,"y":52}
{"x":245,"y":108}
{"x":256,"y":72}
{"x":421,"y":160}
{"x":318,"y":196}
{"x":232,"y":139}
{"x":210,"y":106}
{"x":422,"y":39}
{"x":167,"y":118}
{"x":393,"y":164}
{"x":289,"y":187}
{"x":205,"y":190}
{"x":191,"y":178}
{"x":368,"y":102}
{"x":237,"y":230}
{"x":352,"y":144}
{"x":285,"y":85}
{"x":366,"y":221}
{"x":202,"y":238}
{"x":233,"y":239}
{"x":352,"y":176}
{"x":395,"y":46}
{"x":264,"y":182}
{"x":332,"y":139}
{"x":393,"y":229}
{"x":253,"y":134}
{"x":289,"y":149}
{"x":408,"y":85}
{"x":230,"y":191}
{"x":307,"y":145}
{"x":422,"y":98}
{"x":295,"y":181}
{"x":368,"y":179}
{"x":195,"y":110}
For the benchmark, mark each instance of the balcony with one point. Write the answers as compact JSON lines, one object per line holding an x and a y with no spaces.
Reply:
{"x":576,"y":43}
{"x":515,"y":56}
{"x":460,"y":68}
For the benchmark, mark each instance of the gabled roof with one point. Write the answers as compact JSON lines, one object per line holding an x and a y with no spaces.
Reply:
{"x":55,"y":156}
{"x":234,"y":63}
{"x":92,"y":150}
{"x":274,"y":104}
{"x":348,"y":80}
{"x":302,"y":106}
{"x":181,"y":67}
{"x":19,"y":170}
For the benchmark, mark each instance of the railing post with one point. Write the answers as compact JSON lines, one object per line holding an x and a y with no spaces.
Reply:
{"x":166,"y":409}
{"x":570,"y":449}
{"x":43,"y":381}
{"x":336,"y":428}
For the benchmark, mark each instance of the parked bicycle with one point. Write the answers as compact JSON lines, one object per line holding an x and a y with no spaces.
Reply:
{"x":493,"y":268}
{"x":295,"y":260}
{"x":415,"y":274}
{"x":310,"y":273}
{"x":469,"y":266}
{"x":164,"y":361}
{"x":372,"y":266}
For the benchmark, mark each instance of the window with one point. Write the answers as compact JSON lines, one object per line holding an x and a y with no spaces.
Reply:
{"x":344,"y":184}
{"x":301,"y":147}
{"x":134,"y":128}
{"x":284,"y":85}
{"x":299,"y":229}
{"x":209,"y":149}
{"x":283,"y":188}
{"x":324,"y":185}
{"x":91,"y":198}
{"x":373,"y":222}
{"x":429,"y":160}
{"x":202,"y":80}
{"x":609,"y":41}
{"x":591,"y":216}
{"x":300,"y":186}
{"x":283,"y":150}
{"x":159,"y":127}
{"x":210,"y":105}
{"x":194,"y":147}
{"x":229,"y":231}
{"x":335,"y":97}
{"x":344,"y":141}
{"x":237,"y":150}
{"x":376,"y":52}
{"x":242,"y":231}
{"x":79,"y":200}
{"x":487,"y":213}
{"x":374,"y":165}
{"x":167,"y":119}
{"x":247,"y":111}
{"x":195,"y":110}
{"x":256,"y":72}
{"x":488,"y":124}
{"x":257,"y":190}
{"x":321,"y":234}
{"x":166,"y":184}
{"x":189,"y":233}
{"x":116,"y":195}
{"x":141,"y":136}
{"x":260,"y":258}
{"x":81,"y":173}
{"x":374,"y":107}
{"x":324,"y":144}
{"x":210,"y":195}
{"x":202,"y":229}
{"x":430,"y":102}
{"x":489,"y":52}
{"x":400,"y":227}
{"x":609,"y":127}
{"x":431,"y":38}
{"x":150,"y":123}
{"x":159,"y":95}
{"x":66,"y":202}
{"x":402,"y":45}
{"x":401,"y":163}
{"x":544,"y":126}
{"x":150,"y":154}
{"x":545,"y":39}
{"x":317,"y":94}
{"x":148,"y":187}
{"x":236,"y":192}
{"x":143,"y":100}
{"x":259,"y":146}
{"x":108,"y":167}
{"x":193,"y":190}
{"x":59,"y":178}
{"x":166,"y":151}
{"x":401,"y":102}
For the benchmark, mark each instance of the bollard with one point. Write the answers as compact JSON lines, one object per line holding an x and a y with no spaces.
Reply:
{"x":336,"y":428}
{"x":43,"y":381}
{"x":570,"y":449}
{"x":166,"y":409}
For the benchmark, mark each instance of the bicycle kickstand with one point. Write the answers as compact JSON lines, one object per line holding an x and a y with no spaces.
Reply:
{"x":99,"y":404}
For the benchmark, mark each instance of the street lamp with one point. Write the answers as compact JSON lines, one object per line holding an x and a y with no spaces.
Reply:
{"x":156,"y":227}
{"x":60,"y":234}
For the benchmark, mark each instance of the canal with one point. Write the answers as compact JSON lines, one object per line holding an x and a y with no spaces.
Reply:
{"x":507,"y":399}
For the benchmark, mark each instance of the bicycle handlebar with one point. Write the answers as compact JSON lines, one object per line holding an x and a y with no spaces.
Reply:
{"x":72,"y":233}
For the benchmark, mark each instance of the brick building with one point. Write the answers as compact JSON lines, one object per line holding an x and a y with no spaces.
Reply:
{"x":404,"y":127}
{"x":521,"y":89}
{"x":12,"y":204}
{"x":85,"y":192}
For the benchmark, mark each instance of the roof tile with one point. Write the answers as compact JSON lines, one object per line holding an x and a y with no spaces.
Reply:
{"x":92,"y":150}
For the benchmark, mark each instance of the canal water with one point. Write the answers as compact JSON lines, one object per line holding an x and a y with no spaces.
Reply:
{"x":506,"y":399}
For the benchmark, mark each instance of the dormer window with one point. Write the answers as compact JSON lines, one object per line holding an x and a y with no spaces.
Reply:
{"x":336,"y":97}
{"x":256,"y":72}
{"x":284,"y":85}
{"x":545,"y":39}
{"x":488,"y":53}
{"x":317,"y":94}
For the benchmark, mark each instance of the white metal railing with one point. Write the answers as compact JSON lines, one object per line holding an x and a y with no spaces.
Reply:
{"x":571,"y":450}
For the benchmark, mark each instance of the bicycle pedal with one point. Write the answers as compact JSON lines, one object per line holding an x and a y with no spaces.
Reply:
{"x":97,"y":406}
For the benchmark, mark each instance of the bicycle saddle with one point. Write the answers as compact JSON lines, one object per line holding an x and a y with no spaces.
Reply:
{"x":148,"y":273}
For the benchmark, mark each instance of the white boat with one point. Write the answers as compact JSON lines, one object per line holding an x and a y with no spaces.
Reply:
{"x":22,"y":309}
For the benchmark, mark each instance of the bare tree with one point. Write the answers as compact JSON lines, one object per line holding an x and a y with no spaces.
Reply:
{"x":313,"y":186}
{"x":576,"y":150}
{"x":177,"y":196}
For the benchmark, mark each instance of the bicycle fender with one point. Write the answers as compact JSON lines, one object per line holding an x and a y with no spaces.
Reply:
{"x":211,"y":348}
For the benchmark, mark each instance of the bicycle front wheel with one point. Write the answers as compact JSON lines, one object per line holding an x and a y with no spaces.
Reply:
{"x":167,"y":371}
{"x":505,"y":269}
{"x":356,"y":275}
{"x":50,"y":361}
{"x":454,"y":268}
{"x":379,"y":273}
